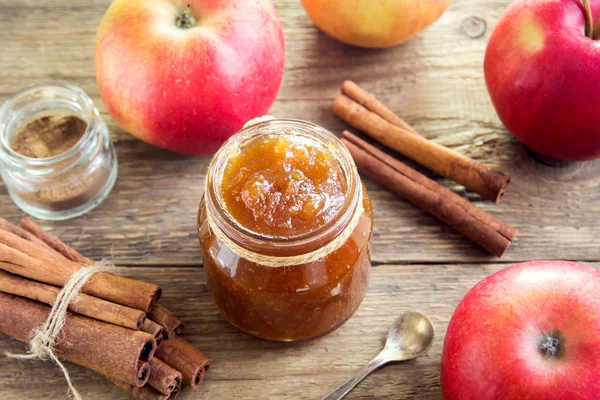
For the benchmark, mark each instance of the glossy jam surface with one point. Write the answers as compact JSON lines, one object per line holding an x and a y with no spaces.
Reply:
{"x":283,"y":186}
{"x":279,"y":186}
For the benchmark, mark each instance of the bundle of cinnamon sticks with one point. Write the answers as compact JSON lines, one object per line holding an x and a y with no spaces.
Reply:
{"x":113,"y":327}
{"x":363,"y":111}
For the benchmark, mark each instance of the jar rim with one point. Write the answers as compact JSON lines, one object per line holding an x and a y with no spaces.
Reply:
{"x":83,"y":99}
{"x":284,"y":245}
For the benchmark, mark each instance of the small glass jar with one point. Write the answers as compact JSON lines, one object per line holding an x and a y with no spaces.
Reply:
{"x":65,"y":185}
{"x":287,"y":302}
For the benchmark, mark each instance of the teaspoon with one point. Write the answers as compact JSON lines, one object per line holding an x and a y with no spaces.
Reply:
{"x":410,"y":336}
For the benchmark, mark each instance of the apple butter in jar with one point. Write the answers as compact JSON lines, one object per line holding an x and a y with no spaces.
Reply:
{"x":285,"y":226}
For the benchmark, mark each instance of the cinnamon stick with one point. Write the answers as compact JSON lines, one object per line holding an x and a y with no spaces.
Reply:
{"x":488,"y":183}
{"x":165,"y":318}
{"x":479,"y":226}
{"x":82,"y":304}
{"x":111,"y":350}
{"x":368,"y":101}
{"x":173,"y":324}
{"x":52,"y":241}
{"x":7,"y":226}
{"x":164,"y":378}
{"x":145,"y":392}
{"x":25,"y":258}
{"x":154,"y":329}
{"x":182,"y":356}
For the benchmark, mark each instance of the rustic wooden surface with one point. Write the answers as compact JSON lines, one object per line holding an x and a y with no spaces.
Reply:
{"x":435,"y":81}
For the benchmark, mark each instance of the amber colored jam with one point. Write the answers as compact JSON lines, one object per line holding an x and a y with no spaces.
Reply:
{"x":282,"y":186}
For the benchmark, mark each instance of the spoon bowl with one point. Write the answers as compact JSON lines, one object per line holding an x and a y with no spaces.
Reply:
{"x":411,"y":335}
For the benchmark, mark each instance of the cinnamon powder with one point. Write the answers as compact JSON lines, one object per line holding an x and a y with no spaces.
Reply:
{"x":49,"y":135}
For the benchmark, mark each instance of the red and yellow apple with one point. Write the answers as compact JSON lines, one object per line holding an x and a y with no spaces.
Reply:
{"x":186,"y":79}
{"x":530,"y":331}
{"x":374,"y":23}
{"x":543,"y":76}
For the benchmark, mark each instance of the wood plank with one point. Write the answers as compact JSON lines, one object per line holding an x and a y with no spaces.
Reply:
{"x":249,"y":368}
{"x":434,"y":81}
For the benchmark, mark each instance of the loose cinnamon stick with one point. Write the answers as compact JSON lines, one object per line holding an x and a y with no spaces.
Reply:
{"x":165,"y":318}
{"x":367,"y":100}
{"x":62,"y":248}
{"x":108,"y":349}
{"x":25,"y":258}
{"x":479,"y":226}
{"x":145,"y":392}
{"x":488,"y":183}
{"x":164,"y":378}
{"x":182,"y":356}
{"x":82,"y":304}
{"x":154,"y":329}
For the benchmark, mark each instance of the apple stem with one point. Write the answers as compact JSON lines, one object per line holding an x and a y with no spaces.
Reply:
{"x":589,"y":20}
{"x":550,"y":346}
{"x":186,"y":19}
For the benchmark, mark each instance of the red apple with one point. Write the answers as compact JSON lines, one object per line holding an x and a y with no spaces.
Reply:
{"x":188,"y":80}
{"x":543,"y":75}
{"x":530,"y":331}
{"x":374,"y":23}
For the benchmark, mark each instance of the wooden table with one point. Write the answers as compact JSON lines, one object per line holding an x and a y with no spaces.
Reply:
{"x":435,"y":81}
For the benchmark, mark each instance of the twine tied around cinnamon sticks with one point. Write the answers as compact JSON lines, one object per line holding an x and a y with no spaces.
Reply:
{"x":107,"y":329}
{"x":41,"y":346}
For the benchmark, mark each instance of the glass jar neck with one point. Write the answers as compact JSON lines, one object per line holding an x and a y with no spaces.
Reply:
{"x":41,"y":99}
{"x":282,"y":245}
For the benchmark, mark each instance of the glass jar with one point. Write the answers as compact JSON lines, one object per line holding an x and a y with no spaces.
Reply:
{"x":65,"y":185}
{"x":328,"y":278}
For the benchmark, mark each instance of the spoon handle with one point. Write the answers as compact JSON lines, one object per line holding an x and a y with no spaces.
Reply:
{"x":347,"y":386}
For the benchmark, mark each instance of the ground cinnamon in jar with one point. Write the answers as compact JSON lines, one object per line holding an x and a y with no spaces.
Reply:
{"x":55,"y":151}
{"x":48,"y":135}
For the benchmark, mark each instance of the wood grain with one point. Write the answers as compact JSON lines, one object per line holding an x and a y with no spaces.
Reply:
{"x":434,"y":81}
